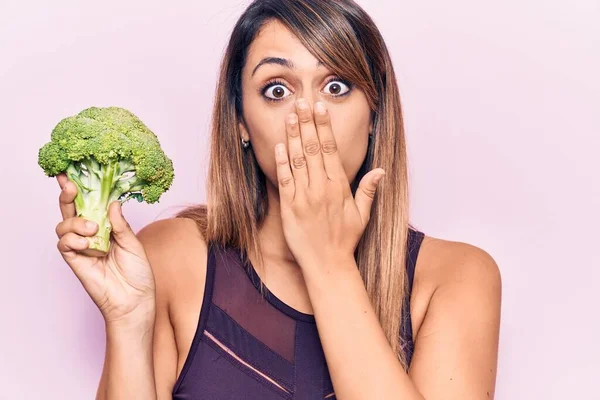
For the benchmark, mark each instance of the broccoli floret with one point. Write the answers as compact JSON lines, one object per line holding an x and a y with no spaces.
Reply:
{"x":110,"y":155}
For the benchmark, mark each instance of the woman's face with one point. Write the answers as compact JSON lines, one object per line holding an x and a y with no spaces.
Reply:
{"x":266,"y":104}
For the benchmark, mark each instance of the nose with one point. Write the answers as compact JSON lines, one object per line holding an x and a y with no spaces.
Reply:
{"x":310,"y":98}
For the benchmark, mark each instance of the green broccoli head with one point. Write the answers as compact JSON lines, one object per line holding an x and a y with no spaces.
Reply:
{"x":110,"y":155}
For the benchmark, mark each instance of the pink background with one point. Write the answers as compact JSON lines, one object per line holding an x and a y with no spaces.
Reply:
{"x":501,"y":103}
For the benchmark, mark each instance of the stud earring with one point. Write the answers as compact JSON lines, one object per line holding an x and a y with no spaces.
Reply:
{"x":245,"y":144}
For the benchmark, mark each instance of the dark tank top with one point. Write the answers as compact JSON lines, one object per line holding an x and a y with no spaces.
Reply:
{"x":241,"y":331}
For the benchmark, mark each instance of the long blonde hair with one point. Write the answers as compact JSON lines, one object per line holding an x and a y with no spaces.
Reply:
{"x":342,"y":36}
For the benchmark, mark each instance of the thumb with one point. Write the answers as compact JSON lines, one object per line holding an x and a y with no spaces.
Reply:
{"x":121,"y":230}
{"x":365,"y":193}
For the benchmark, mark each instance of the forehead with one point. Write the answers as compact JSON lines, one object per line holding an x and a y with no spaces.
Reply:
{"x":276,"y":40}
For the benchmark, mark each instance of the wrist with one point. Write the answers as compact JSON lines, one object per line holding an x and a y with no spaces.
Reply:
{"x":322,"y":272}
{"x":139,"y":320}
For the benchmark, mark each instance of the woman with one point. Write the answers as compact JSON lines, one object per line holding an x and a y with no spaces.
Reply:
{"x":296,"y":280}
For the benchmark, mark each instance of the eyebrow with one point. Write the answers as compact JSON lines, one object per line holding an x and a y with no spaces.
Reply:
{"x":284,"y":62}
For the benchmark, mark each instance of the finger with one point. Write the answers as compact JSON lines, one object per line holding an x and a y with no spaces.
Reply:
{"x":331,"y":157}
{"x":61,"y":179}
{"x":81,"y":226}
{"x":365,"y":193}
{"x":121,"y":230}
{"x":285,"y":179}
{"x":67,"y":197}
{"x":296,"y":153}
{"x":70,"y":247}
{"x":70,"y":244}
{"x":310,"y":144}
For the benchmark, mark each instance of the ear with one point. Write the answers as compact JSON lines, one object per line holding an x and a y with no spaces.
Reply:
{"x":371,"y":124}
{"x":243,"y":131}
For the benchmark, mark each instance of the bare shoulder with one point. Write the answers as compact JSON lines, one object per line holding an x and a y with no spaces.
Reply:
{"x":445,"y":267}
{"x":169,"y":242}
{"x":174,"y":229}
{"x":457,"y":297}
{"x":448,"y":261}
{"x":175,"y":249}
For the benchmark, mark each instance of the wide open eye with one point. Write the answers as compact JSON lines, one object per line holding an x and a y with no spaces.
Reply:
{"x":275,"y":91}
{"x":337,"y":87}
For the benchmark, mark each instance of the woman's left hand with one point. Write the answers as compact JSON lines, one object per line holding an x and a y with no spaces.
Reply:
{"x":322,"y":222}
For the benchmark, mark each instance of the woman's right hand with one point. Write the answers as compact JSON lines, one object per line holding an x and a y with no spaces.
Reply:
{"x":121,"y":283}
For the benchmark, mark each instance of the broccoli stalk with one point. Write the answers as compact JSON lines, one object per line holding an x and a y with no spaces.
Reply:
{"x":110,"y":155}
{"x":98,"y":185}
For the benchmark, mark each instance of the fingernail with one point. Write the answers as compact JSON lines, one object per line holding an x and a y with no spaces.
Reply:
{"x":320,"y":108}
{"x":301,"y":103}
{"x":292,"y":119}
{"x":83,"y":240}
{"x":377,"y":179}
{"x":90,"y":224}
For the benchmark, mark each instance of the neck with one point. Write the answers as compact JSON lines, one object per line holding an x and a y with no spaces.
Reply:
{"x":274,"y":245}
{"x":281,"y":272}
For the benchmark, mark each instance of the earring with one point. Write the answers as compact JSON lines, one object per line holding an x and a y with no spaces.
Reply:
{"x":245,"y":144}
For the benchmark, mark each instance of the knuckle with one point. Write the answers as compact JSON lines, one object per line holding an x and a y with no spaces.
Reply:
{"x":66,"y":198}
{"x":285,"y":181}
{"x":65,"y":242}
{"x":64,"y":227}
{"x":69,"y":237}
{"x":59,"y":229}
{"x":329,"y":146}
{"x":312,"y":147}
{"x":370,"y":192}
{"x":121,"y":227}
{"x":322,"y":120}
{"x":293,"y":131}
{"x":282,"y":161}
{"x":299,"y":161}
{"x":305,"y":118}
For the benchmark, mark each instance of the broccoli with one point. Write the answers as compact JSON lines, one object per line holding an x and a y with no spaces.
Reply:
{"x":110,"y":155}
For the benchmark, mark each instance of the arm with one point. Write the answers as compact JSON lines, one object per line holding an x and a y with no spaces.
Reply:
{"x":128,"y":371}
{"x":456,"y":348}
{"x":321,"y":217}
{"x":144,"y":360}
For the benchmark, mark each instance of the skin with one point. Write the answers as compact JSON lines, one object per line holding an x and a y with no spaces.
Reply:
{"x":455,"y":302}
{"x":350,"y":118}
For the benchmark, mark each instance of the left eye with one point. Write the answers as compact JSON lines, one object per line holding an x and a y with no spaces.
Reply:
{"x":276,"y":92}
{"x":337,"y":87}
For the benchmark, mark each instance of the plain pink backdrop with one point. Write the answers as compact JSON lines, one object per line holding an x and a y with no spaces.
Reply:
{"x":501,"y":102}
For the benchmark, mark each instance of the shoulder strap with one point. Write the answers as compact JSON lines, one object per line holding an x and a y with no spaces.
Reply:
{"x":415,"y":238}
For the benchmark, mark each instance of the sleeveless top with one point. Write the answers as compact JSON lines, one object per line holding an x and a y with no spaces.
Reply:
{"x":250,"y":345}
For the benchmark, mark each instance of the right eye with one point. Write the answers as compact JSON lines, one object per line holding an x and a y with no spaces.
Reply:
{"x":274,"y":91}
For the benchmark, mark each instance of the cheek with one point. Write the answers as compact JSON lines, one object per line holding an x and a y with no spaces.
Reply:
{"x":351,"y":134}
{"x":265,"y":124}
{"x":266,"y":129}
